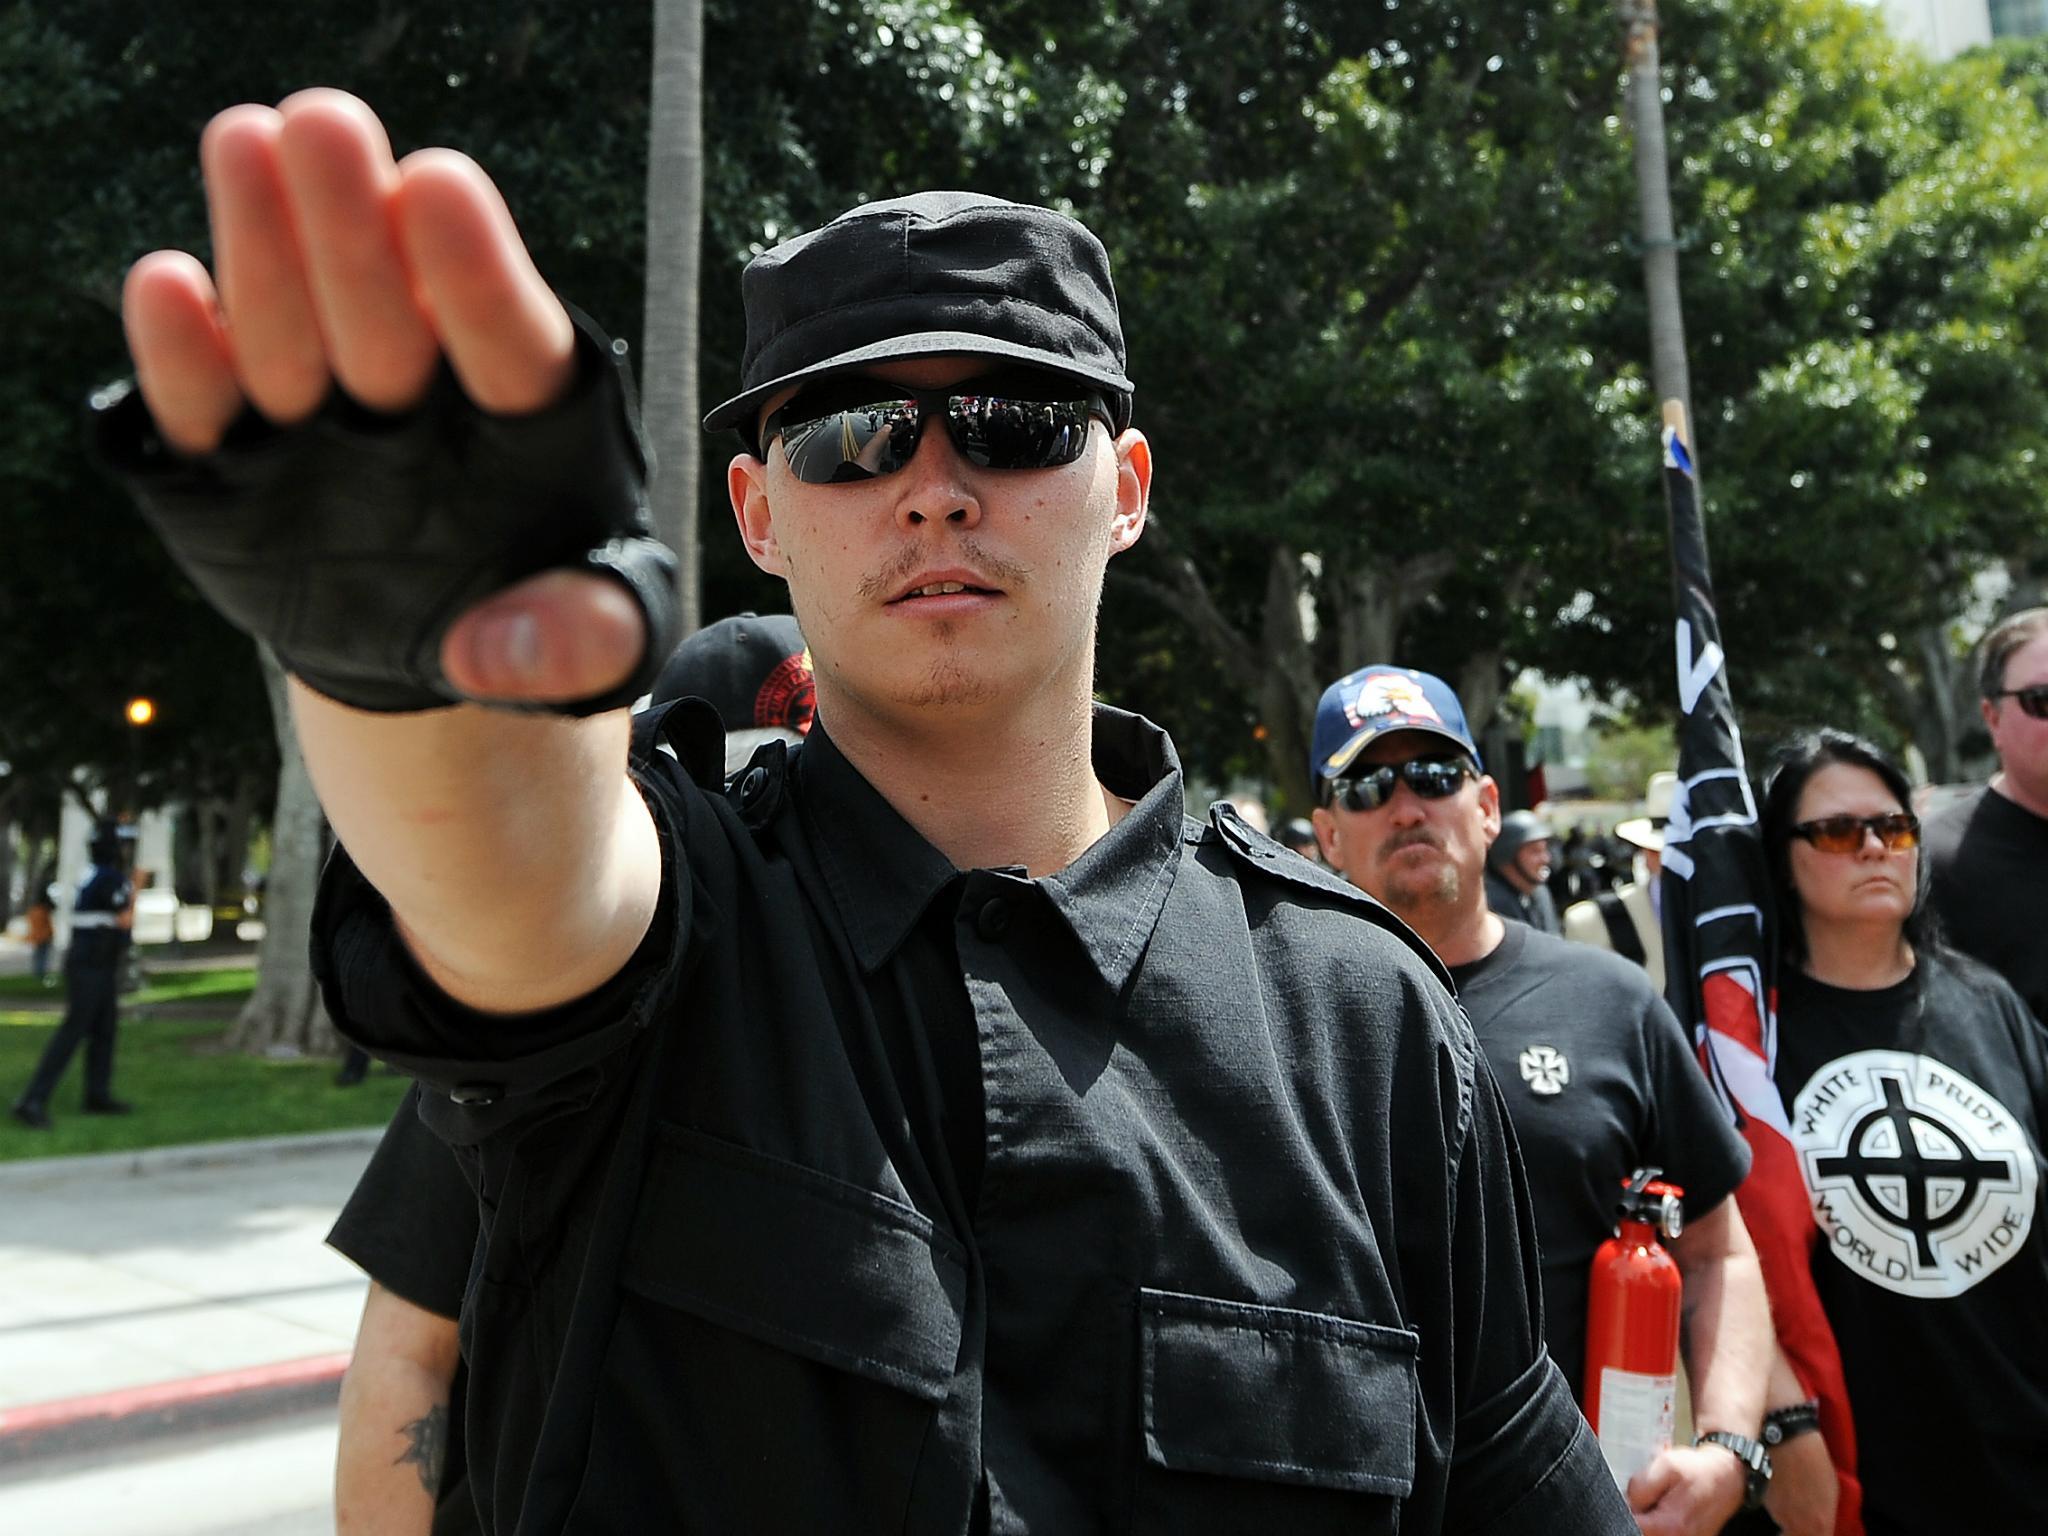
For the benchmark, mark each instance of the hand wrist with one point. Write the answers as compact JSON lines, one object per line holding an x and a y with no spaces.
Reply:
{"x":1750,"y":1458}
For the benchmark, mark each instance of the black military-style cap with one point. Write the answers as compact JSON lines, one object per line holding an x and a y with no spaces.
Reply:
{"x":929,"y":275}
{"x":754,"y":668}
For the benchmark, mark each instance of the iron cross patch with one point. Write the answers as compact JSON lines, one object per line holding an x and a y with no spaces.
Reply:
{"x":1545,"y":1069}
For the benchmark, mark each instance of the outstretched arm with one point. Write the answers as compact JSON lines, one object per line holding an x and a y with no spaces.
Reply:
{"x":520,"y":862}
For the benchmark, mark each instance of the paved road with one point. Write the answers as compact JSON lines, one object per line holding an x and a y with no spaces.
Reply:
{"x":112,"y":1279}
{"x":272,"y":1480}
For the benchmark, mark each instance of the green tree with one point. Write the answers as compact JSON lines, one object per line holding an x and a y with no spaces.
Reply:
{"x":1383,"y":263}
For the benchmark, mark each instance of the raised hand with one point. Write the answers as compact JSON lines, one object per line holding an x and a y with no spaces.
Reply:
{"x":337,"y":266}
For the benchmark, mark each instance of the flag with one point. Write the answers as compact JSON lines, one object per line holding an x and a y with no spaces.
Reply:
{"x":1720,"y":966}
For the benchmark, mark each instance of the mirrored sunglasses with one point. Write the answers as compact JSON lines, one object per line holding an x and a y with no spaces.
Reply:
{"x":2032,"y":700}
{"x":850,"y":430}
{"x":1433,"y":778}
{"x":1844,"y":834}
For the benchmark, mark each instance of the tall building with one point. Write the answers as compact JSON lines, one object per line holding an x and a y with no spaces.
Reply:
{"x":1946,"y":27}
{"x":2019,"y":18}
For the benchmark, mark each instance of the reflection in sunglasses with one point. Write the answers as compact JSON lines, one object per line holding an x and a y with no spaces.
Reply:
{"x":1433,"y":778}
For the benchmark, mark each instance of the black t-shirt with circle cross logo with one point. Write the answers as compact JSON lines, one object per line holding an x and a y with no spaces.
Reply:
{"x":1917,"y":1113}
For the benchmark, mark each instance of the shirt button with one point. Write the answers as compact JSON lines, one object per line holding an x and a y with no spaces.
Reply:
{"x":993,"y":918}
{"x":476,"y":1095}
{"x":752,"y":786}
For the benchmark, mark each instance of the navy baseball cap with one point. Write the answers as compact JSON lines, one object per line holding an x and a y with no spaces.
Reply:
{"x":1376,"y":701}
{"x":930,"y":275}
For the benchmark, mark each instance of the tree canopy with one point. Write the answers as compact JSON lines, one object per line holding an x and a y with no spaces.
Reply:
{"x":1379,"y":277}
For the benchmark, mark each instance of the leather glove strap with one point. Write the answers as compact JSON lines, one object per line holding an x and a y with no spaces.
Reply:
{"x":353,"y":540}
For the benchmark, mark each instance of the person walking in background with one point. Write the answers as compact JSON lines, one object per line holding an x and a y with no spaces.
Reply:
{"x":1629,"y":919}
{"x":1599,"y":1078}
{"x":100,"y":922}
{"x":42,"y":934}
{"x":1916,"y":1085}
{"x":1568,"y":868}
{"x":1518,"y":872}
{"x":1990,"y":852}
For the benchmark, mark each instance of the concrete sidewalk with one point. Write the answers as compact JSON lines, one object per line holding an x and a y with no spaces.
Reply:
{"x":159,"y":1289}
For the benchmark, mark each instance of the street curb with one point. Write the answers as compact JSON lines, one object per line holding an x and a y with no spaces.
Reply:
{"x":109,"y":1420}
{"x":196,"y":1154}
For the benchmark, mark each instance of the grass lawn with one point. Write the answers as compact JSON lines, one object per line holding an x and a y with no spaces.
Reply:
{"x":184,"y":1085}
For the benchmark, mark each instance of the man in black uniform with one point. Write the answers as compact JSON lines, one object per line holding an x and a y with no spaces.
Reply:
{"x":936,"y":1132}
{"x":1598,"y":1076}
{"x":1989,"y":852}
{"x":100,"y":920}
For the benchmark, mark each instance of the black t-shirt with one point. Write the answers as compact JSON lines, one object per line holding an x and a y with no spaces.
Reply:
{"x":1537,"y":909}
{"x":1917,"y":1113}
{"x":1248,"y":1248}
{"x":1599,"y":1081}
{"x":411,"y":1225}
{"x":1989,"y":861}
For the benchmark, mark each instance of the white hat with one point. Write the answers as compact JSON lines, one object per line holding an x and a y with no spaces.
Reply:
{"x":1647,"y":830}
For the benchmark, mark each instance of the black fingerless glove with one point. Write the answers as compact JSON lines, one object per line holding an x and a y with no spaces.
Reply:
{"x":351,"y":541}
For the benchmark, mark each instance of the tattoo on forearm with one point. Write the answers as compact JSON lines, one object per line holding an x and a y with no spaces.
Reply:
{"x":427,"y":1447}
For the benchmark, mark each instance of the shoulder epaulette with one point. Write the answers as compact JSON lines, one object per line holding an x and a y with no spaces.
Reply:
{"x":1260,"y":853}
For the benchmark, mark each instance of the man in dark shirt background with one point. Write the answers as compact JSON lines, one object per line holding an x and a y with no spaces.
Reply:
{"x":935,"y":1130}
{"x":411,"y":1222}
{"x":1517,"y":877}
{"x":1598,"y":1076}
{"x":1989,"y":853}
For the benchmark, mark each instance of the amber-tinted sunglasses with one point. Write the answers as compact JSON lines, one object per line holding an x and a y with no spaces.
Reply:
{"x":1844,"y":834}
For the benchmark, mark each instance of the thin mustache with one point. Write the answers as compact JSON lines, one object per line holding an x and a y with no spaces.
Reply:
{"x":1400,"y":840}
{"x":887,"y":582}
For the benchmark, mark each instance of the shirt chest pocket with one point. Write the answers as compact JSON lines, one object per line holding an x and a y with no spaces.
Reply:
{"x":791,"y":1335}
{"x":792,"y":1257}
{"x":1268,"y":1419}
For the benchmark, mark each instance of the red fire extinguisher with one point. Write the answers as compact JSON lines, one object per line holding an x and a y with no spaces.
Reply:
{"x":1632,"y":1327}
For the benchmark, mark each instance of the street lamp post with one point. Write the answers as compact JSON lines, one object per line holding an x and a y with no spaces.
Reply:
{"x":140,"y":713}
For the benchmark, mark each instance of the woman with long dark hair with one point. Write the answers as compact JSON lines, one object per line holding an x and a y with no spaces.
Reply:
{"x":1916,"y":1083}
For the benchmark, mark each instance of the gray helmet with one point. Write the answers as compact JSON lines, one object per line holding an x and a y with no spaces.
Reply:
{"x":1518,"y":829}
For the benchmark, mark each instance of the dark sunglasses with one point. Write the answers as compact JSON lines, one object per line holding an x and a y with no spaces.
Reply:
{"x":1433,"y":778}
{"x":2033,"y":700}
{"x":849,"y":430}
{"x":1844,"y":834}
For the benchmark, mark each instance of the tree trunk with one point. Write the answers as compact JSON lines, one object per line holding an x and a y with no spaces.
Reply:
{"x":231,"y":848}
{"x":191,"y":846}
{"x":1653,"y":190}
{"x":1478,"y":685}
{"x":668,"y":365}
{"x":1288,"y":686}
{"x":284,"y":1015}
{"x":6,"y":866}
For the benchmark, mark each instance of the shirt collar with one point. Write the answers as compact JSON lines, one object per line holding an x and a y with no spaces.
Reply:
{"x":882,"y":874}
{"x":1112,"y":895}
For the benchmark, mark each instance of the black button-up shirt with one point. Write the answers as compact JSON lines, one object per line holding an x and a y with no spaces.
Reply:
{"x":1165,"y":1193}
